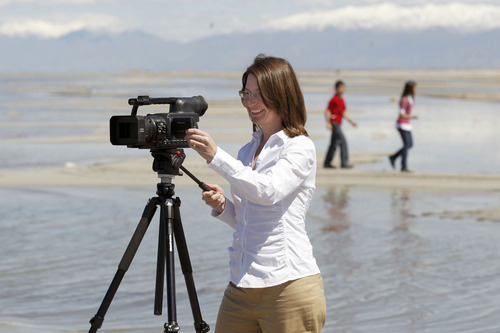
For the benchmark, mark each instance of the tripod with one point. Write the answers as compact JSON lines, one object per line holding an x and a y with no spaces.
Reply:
{"x":167,"y":163}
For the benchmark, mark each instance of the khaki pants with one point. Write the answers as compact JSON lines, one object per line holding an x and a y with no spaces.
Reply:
{"x":297,"y":306}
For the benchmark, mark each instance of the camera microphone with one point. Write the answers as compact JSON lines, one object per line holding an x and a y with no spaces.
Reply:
{"x":195,"y":104}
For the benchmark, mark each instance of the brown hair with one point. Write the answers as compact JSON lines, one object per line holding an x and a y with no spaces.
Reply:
{"x":409,"y":89}
{"x":280,"y":91}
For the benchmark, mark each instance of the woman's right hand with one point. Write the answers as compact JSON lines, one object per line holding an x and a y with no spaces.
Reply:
{"x":202,"y":143}
{"x":215,"y":198}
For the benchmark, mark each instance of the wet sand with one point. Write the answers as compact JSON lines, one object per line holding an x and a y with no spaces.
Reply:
{"x":138,"y":172}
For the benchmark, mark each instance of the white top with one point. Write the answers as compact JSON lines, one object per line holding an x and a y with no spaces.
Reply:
{"x":406,"y":126}
{"x":268,"y":211}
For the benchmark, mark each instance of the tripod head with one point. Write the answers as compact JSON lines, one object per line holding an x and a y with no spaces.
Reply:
{"x":168,"y":161}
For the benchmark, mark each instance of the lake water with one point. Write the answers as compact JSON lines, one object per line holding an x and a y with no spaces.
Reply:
{"x":388,"y":264}
{"x":458,"y":136}
{"x":390,"y":261}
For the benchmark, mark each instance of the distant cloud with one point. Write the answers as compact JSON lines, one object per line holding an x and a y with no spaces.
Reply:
{"x":46,"y":2}
{"x":456,"y":16}
{"x":58,"y":27}
{"x":195,"y":19}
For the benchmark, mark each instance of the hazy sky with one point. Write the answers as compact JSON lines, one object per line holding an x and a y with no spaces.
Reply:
{"x":184,"y":20}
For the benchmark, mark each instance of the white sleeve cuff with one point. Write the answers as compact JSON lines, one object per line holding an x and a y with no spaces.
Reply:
{"x":223,"y":163}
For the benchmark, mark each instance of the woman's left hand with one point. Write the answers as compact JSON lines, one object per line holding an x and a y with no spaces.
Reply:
{"x":202,"y":143}
{"x":215,"y":198}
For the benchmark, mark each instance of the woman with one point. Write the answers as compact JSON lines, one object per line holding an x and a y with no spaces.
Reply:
{"x":403,"y":124}
{"x":275,"y":282}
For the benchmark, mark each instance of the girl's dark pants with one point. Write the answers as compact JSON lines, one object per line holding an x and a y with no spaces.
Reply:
{"x":403,"y":152}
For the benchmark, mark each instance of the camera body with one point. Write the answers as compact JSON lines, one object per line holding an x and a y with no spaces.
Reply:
{"x":160,"y":130}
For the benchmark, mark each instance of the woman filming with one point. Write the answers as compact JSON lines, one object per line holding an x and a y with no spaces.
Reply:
{"x":275,"y":283}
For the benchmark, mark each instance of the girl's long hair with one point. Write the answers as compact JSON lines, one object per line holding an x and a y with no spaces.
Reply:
{"x":280,"y":91}
{"x":409,"y":89}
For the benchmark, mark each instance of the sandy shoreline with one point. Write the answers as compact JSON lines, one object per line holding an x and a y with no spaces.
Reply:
{"x":138,"y":172}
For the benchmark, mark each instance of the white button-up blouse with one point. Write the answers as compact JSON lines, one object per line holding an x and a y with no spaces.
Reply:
{"x":268,"y":210}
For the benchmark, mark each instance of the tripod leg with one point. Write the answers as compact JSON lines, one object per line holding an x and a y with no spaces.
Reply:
{"x":125,"y":262}
{"x":160,"y":265}
{"x":167,"y":232}
{"x":199,"y":324}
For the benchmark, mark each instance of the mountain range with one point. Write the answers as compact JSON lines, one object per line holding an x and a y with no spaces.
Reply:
{"x":83,"y":51}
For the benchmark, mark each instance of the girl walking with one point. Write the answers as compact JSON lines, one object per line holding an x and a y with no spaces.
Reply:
{"x":403,"y":124}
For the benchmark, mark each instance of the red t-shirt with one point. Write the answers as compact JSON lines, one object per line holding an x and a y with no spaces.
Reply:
{"x":337,"y":108}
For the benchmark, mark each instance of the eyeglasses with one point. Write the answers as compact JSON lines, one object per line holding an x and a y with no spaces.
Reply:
{"x":246,"y":95}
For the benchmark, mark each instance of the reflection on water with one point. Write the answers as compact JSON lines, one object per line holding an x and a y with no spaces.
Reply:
{"x":336,"y":201}
{"x":388,"y":267}
{"x":401,"y":205}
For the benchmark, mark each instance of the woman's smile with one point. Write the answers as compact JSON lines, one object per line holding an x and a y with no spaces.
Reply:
{"x":256,"y":111}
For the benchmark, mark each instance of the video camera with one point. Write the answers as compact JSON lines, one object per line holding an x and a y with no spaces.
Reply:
{"x":160,"y":130}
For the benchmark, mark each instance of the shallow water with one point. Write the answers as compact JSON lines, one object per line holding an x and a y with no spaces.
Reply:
{"x":451,"y":135}
{"x":390,"y":264}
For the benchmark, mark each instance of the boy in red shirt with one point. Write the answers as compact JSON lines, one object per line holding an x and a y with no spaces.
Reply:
{"x":334,"y":115}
